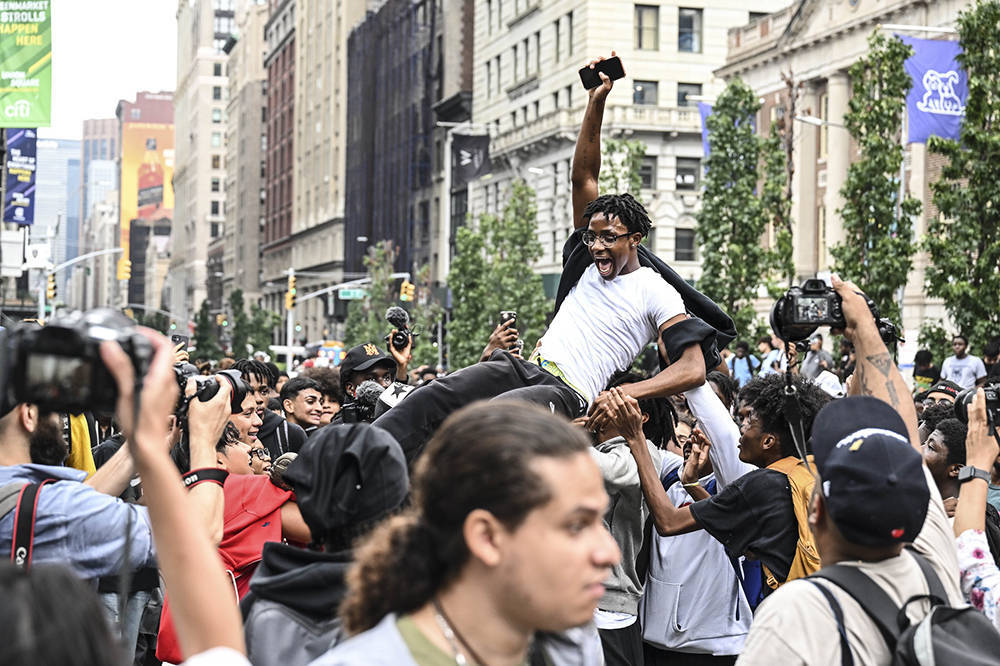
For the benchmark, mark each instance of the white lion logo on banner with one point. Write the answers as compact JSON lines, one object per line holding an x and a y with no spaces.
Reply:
{"x":939,"y":94}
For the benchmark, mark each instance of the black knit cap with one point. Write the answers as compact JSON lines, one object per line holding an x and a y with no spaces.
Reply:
{"x":346,"y":477}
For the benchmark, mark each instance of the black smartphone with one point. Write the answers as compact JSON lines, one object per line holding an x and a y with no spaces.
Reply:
{"x":508,"y":315}
{"x":180,"y":339}
{"x":612,"y":67}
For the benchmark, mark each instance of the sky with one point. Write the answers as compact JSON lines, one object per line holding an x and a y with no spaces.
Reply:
{"x":104,"y":51}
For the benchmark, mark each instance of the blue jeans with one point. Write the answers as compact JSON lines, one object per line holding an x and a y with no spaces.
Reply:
{"x":133,"y":615}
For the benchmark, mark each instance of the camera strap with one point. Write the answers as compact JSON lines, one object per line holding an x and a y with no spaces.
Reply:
{"x":792,"y":411}
{"x":24,"y":524}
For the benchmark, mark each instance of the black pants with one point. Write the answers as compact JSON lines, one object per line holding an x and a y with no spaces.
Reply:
{"x":657,"y":657}
{"x":622,"y":647}
{"x":414,"y":420}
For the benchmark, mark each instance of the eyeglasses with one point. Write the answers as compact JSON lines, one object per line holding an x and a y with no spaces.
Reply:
{"x":928,"y":402}
{"x":607,"y":240}
{"x":263,"y":454}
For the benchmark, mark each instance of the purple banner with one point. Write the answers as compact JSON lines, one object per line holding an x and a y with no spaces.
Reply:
{"x":704,"y":110}
{"x":936,"y":102}
{"x":19,"y":202}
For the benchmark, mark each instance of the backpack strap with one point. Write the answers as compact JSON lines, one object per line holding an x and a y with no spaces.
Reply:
{"x":882,"y":610}
{"x":846,"y":657}
{"x":24,"y":524}
{"x":933,"y":582}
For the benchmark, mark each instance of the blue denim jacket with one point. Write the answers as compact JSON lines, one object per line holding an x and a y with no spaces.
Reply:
{"x":78,"y":526}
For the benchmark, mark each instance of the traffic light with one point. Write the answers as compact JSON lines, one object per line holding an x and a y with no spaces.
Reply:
{"x":124,"y":269}
{"x":50,"y":288}
{"x":220,"y":319}
{"x":290,"y":294}
{"x":407,"y":291}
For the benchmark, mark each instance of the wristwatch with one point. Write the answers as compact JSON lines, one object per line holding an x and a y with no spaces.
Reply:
{"x":968,"y":473}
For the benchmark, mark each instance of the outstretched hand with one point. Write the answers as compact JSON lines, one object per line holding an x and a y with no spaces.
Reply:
{"x":503,"y":337}
{"x":620,"y":410}
{"x":696,"y":460}
{"x":601,"y":92}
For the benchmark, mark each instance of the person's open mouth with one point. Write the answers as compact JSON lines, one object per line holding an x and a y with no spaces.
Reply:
{"x":604,"y":265}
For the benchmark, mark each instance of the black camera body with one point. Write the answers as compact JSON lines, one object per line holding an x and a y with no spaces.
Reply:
{"x":207,"y":387}
{"x":59,"y":367}
{"x":803,"y":309}
{"x":400,"y":320}
{"x":991,"y":392}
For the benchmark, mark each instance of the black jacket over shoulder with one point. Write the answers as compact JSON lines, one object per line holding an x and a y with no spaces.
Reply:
{"x":708,"y":326}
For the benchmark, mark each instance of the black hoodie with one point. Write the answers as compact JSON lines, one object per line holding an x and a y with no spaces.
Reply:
{"x":279,"y":436}
{"x":290,"y":612}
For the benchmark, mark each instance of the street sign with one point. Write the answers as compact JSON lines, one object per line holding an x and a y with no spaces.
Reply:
{"x":351,"y":294}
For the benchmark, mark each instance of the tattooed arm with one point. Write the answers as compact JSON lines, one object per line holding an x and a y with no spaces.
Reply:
{"x":876,"y":374}
{"x":587,"y":158}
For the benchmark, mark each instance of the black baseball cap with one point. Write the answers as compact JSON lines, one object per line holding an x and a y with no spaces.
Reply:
{"x":361,"y":358}
{"x":943,"y":386}
{"x":345,"y":478}
{"x":873,"y":480}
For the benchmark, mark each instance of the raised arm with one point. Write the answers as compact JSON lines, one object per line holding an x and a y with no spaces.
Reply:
{"x":719,"y":427}
{"x":587,"y":158}
{"x":200,"y":592}
{"x":875,"y":374}
{"x":667,"y":518}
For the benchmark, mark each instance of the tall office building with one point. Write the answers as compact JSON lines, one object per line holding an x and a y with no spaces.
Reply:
{"x":818,"y":42}
{"x":56,"y":206}
{"x":146,"y":194}
{"x":246,"y":141}
{"x":203,"y":28}
{"x":527,"y":95}
{"x":410,"y":67}
{"x":101,"y":138}
{"x":275,"y":249}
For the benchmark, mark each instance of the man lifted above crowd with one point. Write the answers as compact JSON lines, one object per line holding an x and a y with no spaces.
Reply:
{"x":614,"y":298}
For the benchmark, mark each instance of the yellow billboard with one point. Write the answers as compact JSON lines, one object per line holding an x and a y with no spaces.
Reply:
{"x":147,"y":171}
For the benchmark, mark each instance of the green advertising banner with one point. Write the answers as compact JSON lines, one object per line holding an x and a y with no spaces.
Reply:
{"x":25,"y":63}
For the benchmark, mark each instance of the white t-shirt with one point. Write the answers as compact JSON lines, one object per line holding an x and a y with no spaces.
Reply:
{"x":963,"y":371}
{"x":796,"y":626}
{"x":604,"y":324}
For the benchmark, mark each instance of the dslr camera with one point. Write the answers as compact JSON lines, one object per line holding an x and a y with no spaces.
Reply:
{"x":59,"y":368}
{"x":801,"y":310}
{"x":964,"y":400}
{"x":207,"y":387}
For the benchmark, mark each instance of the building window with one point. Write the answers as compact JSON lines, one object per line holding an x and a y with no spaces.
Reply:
{"x":569,"y":33}
{"x":489,"y":78}
{"x":216,"y":139}
{"x":555,"y":41}
{"x":756,"y":16}
{"x":689,"y":30}
{"x":644,"y":92}
{"x":217,"y":69}
{"x":685,"y":89}
{"x":216,"y":116}
{"x":647,"y":172}
{"x":538,"y":51}
{"x":569,"y":97}
{"x":688,"y":173}
{"x":684,"y":245}
{"x":647,"y":27}
{"x":216,"y":161}
{"x":215,"y":208}
{"x":216,"y":185}
{"x":216,"y":92}
{"x":135,"y":113}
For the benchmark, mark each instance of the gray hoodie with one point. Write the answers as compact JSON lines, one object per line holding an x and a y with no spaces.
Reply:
{"x":626,"y":516}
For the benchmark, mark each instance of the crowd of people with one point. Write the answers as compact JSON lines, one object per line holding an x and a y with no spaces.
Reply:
{"x":546,"y":508}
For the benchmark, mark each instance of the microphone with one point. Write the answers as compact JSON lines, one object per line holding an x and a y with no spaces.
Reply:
{"x":398,"y":317}
{"x":367,"y":396}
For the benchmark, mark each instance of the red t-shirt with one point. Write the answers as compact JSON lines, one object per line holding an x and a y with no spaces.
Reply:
{"x":251,"y":517}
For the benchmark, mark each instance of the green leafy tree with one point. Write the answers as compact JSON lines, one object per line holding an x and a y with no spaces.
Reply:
{"x":204,"y":339}
{"x":366,"y":318}
{"x":239,"y":323}
{"x":878,"y":230}
{"x":260,"y":328}
{"x":154,"y":320}
{"x":492,"y":272}
{"x":964,"y":241}
{"x":621,"y":161}
{"x":735,"y":209}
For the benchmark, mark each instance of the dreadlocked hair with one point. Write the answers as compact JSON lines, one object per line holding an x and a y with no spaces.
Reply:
{"x":623,"y":206}
{"x":249,"y":366}
{"x":659,"y":427}
{"x":766,"y":397}
{"x":726,"y":386}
